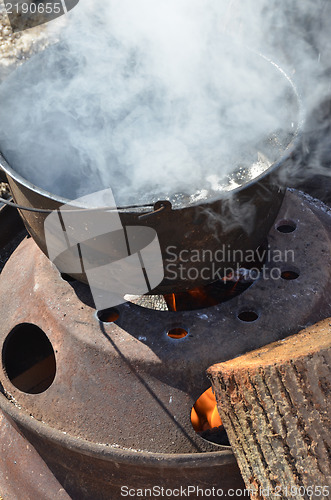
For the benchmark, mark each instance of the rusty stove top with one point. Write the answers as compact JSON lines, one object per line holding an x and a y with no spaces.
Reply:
{"x":124,"y":390}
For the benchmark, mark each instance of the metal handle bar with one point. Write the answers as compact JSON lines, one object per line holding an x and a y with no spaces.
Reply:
{"x":48,"y":211}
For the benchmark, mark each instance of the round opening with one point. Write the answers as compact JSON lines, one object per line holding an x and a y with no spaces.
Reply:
{"x":248,"y":316}
{"x":290,"y":275}
{"x":286,"y":226}
{"x":28,"y":359}
{"x":108,"y":315}
{"x":67,"y":277}
{"x":177,"y":333}
{"x":206,"y":421}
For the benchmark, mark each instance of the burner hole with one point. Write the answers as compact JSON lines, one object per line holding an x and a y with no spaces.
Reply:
{"x":290,"y":275}
{"x":67,"y":277}
{"x":108,"y":315}
{"x":177,"y":333}
{"x":206,"y":421}
{"x":28,"y":359}
{"x":286,"y":226}
{"x":248,"y":316}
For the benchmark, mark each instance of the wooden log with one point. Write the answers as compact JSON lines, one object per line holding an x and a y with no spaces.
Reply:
{"x":275,"y":405}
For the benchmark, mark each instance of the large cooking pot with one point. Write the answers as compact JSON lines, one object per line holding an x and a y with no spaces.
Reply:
{"x":199,"y":241}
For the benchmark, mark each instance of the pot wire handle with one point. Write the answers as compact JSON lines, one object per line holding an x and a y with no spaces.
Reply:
{"x":10,"y":203}
{"x":48,"y":211}
{"x":159,"y":206}
{"x":156,"y":211}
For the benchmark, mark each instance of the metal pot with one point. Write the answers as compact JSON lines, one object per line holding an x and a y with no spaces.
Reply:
{"x":238,"y":220}
{"x":180,"y":230}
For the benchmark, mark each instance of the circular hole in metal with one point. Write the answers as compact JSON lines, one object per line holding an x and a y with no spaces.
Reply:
{"x":67,"y":277}
{"x":108,"y":315}
{"x":28,"y":359}
{"x":286,"y":226}
{"x":177,"y":333}
{"x":248,"y":316}
{"x":290,"y":275}
{"x":206,"y":421}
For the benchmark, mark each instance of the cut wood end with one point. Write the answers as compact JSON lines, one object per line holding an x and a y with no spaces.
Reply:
{"x":313,"y":339}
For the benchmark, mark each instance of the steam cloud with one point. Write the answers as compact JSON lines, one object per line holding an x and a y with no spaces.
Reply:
{"x":164,"y":99}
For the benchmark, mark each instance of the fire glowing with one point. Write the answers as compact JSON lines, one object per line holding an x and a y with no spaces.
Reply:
{"x":204,"y":413}
{"x":173,"y":305}
{"x":205,"y":296}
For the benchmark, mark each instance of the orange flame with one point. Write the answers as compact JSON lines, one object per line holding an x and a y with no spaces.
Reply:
{"x":204,"y":413}
{"x":170,"y":299}
{"x":173,"y":302}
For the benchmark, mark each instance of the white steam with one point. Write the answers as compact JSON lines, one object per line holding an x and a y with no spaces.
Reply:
{"x":158,"y":99}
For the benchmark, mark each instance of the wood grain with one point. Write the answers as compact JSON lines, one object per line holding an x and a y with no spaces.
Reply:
{"x":275,"y":405}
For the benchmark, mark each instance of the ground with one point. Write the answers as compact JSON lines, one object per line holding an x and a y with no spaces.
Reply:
{"x":16,"y":47}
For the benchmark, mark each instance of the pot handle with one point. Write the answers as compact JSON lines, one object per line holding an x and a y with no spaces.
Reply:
{"x":15,"y":205}
{"x":158,"y":209}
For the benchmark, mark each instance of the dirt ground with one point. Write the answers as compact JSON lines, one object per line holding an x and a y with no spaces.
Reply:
{"x":16,"y":47}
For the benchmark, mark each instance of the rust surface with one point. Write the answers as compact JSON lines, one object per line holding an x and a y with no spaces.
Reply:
{"x":119,"y":406}
{"x":129,"y":384}
{"x":23,"y":473}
